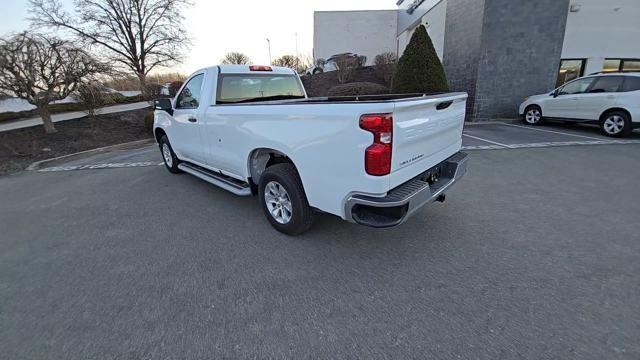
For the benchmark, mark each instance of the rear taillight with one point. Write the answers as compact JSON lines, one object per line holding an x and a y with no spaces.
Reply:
{"x":377,"y":158}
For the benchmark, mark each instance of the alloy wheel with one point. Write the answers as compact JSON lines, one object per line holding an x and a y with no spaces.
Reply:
{"x":533,"y":116}
{"x":166,"y":155}
{"x":613,"y":125}
{"x":278,"y":202}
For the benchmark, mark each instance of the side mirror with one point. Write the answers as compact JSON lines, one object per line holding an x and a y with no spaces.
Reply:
{"x":554,"y":94}
{"x":164,"y":105}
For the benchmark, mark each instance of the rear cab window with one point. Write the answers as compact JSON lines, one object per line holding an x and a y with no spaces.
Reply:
{"x":241,"y":88}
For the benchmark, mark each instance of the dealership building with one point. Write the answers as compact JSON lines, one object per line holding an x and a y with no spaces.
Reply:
{"x":498,"y":51}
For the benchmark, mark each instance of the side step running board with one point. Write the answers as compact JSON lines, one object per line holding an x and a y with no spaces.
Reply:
{"x":228,"y":183}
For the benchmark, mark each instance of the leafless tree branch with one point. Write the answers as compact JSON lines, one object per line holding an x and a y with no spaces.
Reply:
{"x":237,"y":58}
{"x":139,"y":35}
{"x":41,"y":70}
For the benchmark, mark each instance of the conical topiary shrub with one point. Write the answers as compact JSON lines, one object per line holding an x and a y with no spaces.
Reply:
{"x":419,"y":69}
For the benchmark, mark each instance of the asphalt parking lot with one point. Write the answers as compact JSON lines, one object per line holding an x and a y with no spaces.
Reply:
{"x":534,"y":255}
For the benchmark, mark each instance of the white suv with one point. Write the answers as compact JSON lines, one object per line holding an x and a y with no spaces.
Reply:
{"x":611,"y":100}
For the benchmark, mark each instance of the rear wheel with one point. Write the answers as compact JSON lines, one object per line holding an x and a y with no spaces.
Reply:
{"x":533,"y":115}
{"x":283,"y":199}
{"x":616,"y":124}
{"x":168,"y":156}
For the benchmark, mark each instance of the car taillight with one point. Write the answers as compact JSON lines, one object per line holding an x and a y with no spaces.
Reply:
{"x":260,"y":68}
{"x":377,"y":158}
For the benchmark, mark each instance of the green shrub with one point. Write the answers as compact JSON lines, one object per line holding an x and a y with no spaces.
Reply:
{"x":419,"y":69}
{"x":66,"y":107}
{"x":357,"y":88}
{"x":118,"y":98}
{"x":148,"y":121}
{"x":14,"y":115}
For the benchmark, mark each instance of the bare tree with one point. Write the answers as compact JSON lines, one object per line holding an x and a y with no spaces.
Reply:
{"x":236,"y":58}
{"x":139,"y":35}
{"x":345,"y":66}
{"x":297,"y":63}
{"x":386,"y":58}
{"x":41,"y":70}
{"x":290,"y":61}
{"x":93,"y":96}
{"x":385,"y":65}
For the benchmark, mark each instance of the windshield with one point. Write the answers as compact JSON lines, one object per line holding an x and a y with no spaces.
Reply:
{"x":237,"y":88}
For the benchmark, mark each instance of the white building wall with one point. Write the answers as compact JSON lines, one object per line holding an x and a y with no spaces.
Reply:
{"x":433,"y":20}
{"x":367,"y":33}
{"x":599,"y":29}
{"x":602,"y":29}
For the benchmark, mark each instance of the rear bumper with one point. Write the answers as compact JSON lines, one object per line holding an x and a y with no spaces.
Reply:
{"x":403,"y":201}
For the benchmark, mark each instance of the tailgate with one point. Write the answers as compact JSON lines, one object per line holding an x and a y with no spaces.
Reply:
{"x":426,"y":131}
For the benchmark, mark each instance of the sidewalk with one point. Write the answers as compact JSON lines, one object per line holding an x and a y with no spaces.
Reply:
{"x":19,"y":124}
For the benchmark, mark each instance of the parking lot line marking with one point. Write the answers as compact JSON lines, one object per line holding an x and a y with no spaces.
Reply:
{"x":482,"y":147}
{"x":552,"y":131}
{"x":553,"y":144}
{"x":101,"y":166}
{"x":485,"y":140}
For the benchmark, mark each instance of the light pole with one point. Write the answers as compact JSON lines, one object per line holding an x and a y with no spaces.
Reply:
{"x":269,"y":45}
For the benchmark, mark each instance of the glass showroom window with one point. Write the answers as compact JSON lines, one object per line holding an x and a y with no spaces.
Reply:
{"x":570,"y":69}
{"x":621,"y":65}
{"x":611,"y":65}
{"x":631,"y":65}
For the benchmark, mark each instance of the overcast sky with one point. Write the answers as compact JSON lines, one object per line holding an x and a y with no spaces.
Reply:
{"x":219,"y":26}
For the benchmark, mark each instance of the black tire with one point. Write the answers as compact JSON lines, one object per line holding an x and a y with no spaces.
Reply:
{"x":301,"y":214}
{"x":611,"y":122}
{"x":172,"y":163}
{"x":530,"y":119}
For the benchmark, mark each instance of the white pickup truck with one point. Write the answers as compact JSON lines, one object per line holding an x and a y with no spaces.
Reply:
{"x":372,"y":160}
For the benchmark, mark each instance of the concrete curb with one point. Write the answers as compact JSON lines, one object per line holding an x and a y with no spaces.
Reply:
{"x":40,"y":164}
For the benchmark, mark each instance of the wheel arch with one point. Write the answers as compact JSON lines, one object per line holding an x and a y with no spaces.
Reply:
{"x":610,"y":110}
{"x":260,"y":159}
{"x":533,"y":105}
{"x":158,"y":133}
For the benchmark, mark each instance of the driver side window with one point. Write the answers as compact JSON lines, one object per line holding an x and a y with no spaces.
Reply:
{"x":577,"y":87}
{"x":189,"y":97}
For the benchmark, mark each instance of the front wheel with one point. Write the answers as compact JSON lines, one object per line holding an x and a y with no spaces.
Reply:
{"x":168,"y":156}
{"x":283,"y":200}
{"x":616,"y":124}
{"x":533,"y":115}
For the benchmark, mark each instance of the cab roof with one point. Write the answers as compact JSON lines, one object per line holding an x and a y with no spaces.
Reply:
{"x":246,"y":69}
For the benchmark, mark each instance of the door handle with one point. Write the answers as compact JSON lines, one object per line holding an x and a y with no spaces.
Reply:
{"x":192,"y":119}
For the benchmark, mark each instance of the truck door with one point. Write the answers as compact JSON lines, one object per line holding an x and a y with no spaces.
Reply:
{"x":188,"y":143}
